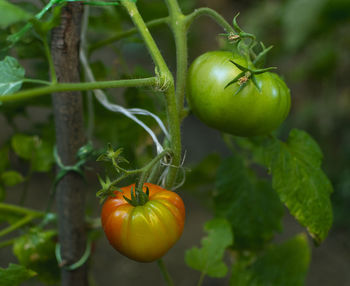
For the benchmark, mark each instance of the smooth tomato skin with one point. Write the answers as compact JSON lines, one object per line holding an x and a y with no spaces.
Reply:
{"x":247,"y":113}
{"x":143,"y":233}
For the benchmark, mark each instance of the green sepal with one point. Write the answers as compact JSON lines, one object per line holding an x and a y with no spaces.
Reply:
{"x":235,"y":24}
{"x":107,"y":189}
{"x":242,"y":68}
{"x":235,"y":79}
{"x":252,"y":72}
{"x":255,"y":82}
{"x":138,"y":197}
{"x":260,"y":71}
{"x":240,"y":88}
{"x":260,"y":58}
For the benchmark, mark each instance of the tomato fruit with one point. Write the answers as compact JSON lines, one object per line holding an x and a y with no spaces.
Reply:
{"x":36,"y":250}
{"x":249,"y":112}
{"x":143,"y":233}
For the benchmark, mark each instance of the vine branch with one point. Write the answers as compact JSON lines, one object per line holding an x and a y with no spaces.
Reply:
{"x":79,"y":86}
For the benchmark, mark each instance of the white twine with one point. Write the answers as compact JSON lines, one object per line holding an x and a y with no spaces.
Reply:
{"x":102,"y":98}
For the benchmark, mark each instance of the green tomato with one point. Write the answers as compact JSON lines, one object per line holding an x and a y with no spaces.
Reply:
{"x":36,"y":251}
{"x":249,"y":112}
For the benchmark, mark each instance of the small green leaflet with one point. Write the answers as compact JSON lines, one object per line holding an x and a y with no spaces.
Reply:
{"x":39,"y":152}
{"x":11,"y":178}
{"x":11,"y":14}
{"x":208,"y":259}
{"x":252,"y":207}
{"x":15,"y":274}
{"x":284,"y":264}
{"x":11,"y":76}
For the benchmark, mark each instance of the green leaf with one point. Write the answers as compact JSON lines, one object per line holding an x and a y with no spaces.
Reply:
{"x":300,"y":182}
{"x":11,"y":178}
{"x":11,"y":14}
{"x":36,"y":250}
{"x":39,"y":152}
{"x":250,"y":205}
{"x":11,"y":75}
{"x":23,"y":145}
{"x":14,"y":275}
{"x":208,"y":259}
{"x":284,"y":264}
{"x":297,"y":177}
{"x":43,"y":160}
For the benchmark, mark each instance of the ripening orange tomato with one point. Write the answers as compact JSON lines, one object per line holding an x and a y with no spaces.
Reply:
{"x":143,"y":233}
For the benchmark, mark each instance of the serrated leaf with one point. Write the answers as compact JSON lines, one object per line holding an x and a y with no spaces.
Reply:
{"x":250,"y":205}
{"x":11,"y":14}
{"x":208,"y":259}
{"x":301,"y":184}
{"x":298,"y":178}
{"x":15,"y":274}
{"x":11,"y":178}
{"x":284,"y":264}
{"x":11,"y":76}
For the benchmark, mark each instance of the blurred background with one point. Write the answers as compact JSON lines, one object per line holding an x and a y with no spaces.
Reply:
{"x":311,"y":40}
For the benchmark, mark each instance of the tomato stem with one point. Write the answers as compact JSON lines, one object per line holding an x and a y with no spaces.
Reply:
{"x":80,"y":86}
{"x":165,"y":272}
{"x":204,"y":11}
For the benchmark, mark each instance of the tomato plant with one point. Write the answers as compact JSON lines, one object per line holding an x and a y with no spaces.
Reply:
{"x":247,"y":192}
{"x":247,"y":112}
{"x":145,"y":232}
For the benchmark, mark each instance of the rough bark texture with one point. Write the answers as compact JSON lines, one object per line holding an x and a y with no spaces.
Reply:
{"x":68,"y":112}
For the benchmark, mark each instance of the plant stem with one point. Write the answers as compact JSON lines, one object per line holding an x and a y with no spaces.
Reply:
{"x":166,"y":83}
{"x":212,"y":14}
{"x":38,"y":81}
{"x":17,"y":224}
{"x":164,"y":272}
{"x":178,"y":26}
{"x":124,"y":34}
{"x":175,"y":134}
{"x":201,"y":279}
{"x":79,"y":86}
{"x":50,"y":61}
{"x":148,"y":39}
{"x":20,"y":210}
{"x":149,"y":166}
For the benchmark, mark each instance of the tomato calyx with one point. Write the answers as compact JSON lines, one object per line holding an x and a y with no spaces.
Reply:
{"x":245,"y":75}
{"x":238,"y":35}
{"x":138,"y":197}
